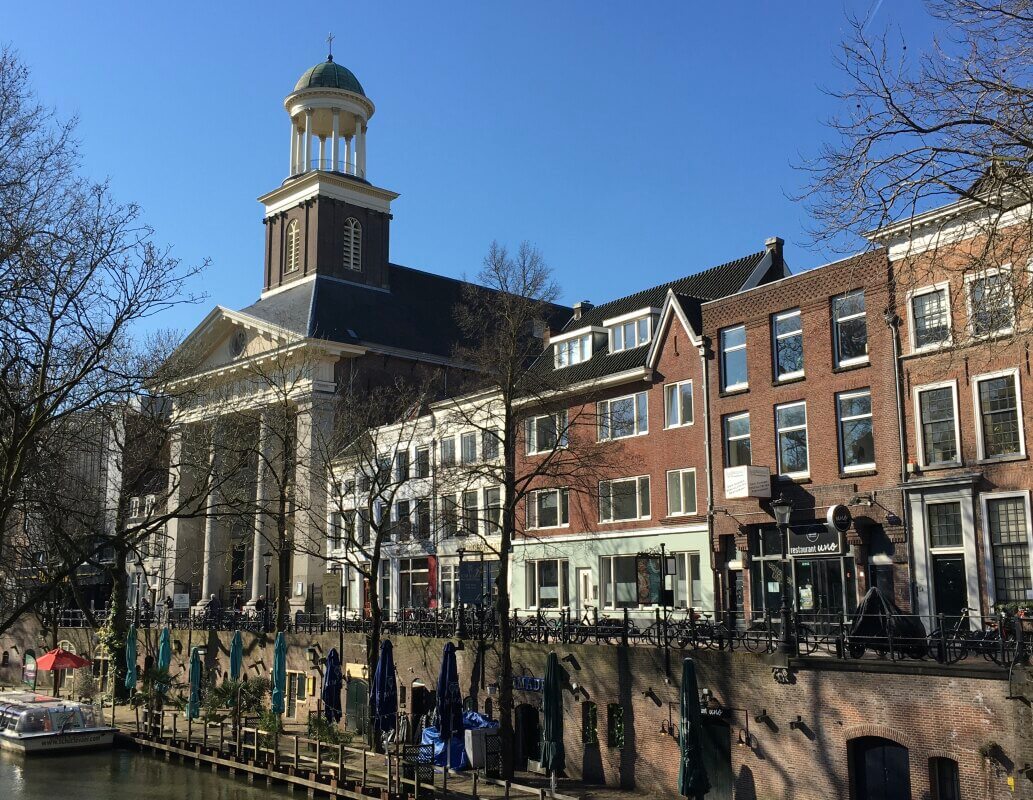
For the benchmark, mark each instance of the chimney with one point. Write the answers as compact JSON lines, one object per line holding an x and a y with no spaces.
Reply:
{"x":581,"y":307}
{"x":773,"y":245}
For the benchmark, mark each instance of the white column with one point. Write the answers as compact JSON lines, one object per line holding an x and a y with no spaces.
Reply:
{"x":322,"y":152}
{"x":360,"y":149}
{"x":294,"y":149}
{"x":209,"y":529}
{"x":348,"y":155}
{"x":336,"y":146}
{"x":260,"y":544}
{"x":307,"y":148}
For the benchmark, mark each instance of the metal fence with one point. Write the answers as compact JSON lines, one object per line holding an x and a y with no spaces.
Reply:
{"x":1001,"y":639}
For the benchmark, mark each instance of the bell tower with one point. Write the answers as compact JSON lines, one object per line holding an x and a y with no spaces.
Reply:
{"x":326,"y":218}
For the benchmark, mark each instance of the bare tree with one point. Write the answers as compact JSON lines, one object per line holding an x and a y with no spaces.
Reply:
{"x":951,"y":125}
{"x":504,"y":320}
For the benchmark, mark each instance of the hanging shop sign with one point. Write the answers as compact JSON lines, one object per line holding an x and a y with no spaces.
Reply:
{"x":814,"y":539}
{"x":839,"y":518}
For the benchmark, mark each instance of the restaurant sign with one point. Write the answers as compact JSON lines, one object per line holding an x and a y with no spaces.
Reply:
{"x":814,"y":539}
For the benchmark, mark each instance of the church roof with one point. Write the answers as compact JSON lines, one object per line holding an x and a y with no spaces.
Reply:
{"x":415,"y":315}
{"x":329,"y":75}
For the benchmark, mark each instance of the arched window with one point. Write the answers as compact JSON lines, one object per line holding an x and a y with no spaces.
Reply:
{"x":352,"y":244}
{"x":292,"y":254}
{"x":945,"y":779}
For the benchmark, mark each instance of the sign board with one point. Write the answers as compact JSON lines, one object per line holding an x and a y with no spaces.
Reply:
{"x":839,"y":518}
{"x":743,"y":482}
{"x":332,"y":589}
{"x":527,"y":683}
{"x":471,"y":583}
{"x":29,"y":670}
{"x":814,"y":539}
{"x":181,"y":602}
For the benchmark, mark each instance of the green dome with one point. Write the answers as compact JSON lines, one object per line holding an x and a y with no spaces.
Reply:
{"x":329,"y":75}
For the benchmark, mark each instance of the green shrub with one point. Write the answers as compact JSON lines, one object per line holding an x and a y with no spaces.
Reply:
{"x":320,"y":728}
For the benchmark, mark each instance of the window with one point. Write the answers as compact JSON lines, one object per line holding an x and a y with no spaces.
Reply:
{"x":547,"y":582}
{"x":623,"y":417}
{"x":678,"y":404}
{"x":624,"y":499}
{"x":787,"y":331}
{"x":468,"y":446}
{"x":990,"y":303}
{"x":737,"y":440}
{"x":937,"y":412}
{"x":490,"y":444}
{"x":1009,"y":543}
{"x":930,"y":317}
{"x":134,"y":507}
{"x":545,"y":432}
{"x":791,"y":435}
{"x":414,"y":583}
{"x":733,"y":359}
{"x":402,"y":520}
{"x":292,"y":247}
{"x":548,"y":508}
{"x":573,"y":351}
{"x":766,"y":571}
{"x":352,"y":244}
{"x":998,"y":423}
{"x":448,"y":452}
{"x":615,"y":725}
{"x":619,"y":579}
{"x":681,"y":492}
{"x":385,"y":585}
{"x":422,"y":462}
{"x":944,"y":778}
{"x":423,"y":518}
{"x":688,"y":585}
{"x":363,"y":528}
{"x":945,"y":525}
{"x":449,"y":584}
{"x":402,"y":466}
{"x":342,"y":529}
{"x":850,"y":329}
{"x":492,"y":511}
{"x":148,"y":506}
{"x":856,"y":441}
{"x":449,"y":515}
{"x":627,"y":335}
{"x":470,"y":517}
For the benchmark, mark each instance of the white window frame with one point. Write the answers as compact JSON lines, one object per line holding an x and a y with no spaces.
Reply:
{"x":134,"y":507}
{"x":868,"y":465}
{"x":463,"y":439}
{"x":923,"y":461}
{"x":603,"y":412}
{"x":531,"y":433}
{"x":562,"y":586}
{"x":776,"y":337}
{"x":576,"y":350}
{"x":944,"y":287}
{"x":724,"y":351}
{"x":637,"y":479}
{"x":977,"y":412}
{"x":606,"y":575}
{"x":634,"y":319}
{"x":991,"y":583}
{"x":676,"y":389}
{"x":778,"y":444}
{"x":849,"y":362}
{"x":682,"y":512}
{"x":532,"y":497}
{"x":725,"y":436}
{"x":454,"y":460}
{"x":969,"y":280}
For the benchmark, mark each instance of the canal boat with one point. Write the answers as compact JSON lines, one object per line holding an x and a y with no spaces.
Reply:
{"x":37,"y":723}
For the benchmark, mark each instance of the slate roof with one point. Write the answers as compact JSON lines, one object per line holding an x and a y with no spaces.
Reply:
{"x":691,"y":291}
{"x":416,"y":314}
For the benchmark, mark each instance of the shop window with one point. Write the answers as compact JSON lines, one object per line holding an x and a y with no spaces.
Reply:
{"x":414,"y":582}
{"x":547,"y":583}
{"x":1007,"y":522}
{"x":766,"y":571}
{"x":615,"y":725}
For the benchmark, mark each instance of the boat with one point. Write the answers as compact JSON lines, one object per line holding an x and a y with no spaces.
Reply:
{"x":38,"y":723}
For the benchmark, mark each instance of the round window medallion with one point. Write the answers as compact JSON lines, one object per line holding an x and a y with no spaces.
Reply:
{"x":238,"y":343}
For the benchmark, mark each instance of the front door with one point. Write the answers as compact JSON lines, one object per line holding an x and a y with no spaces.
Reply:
{"x":950,"y":590}
{"x":356,"y":702}
{"x":585,"y":589}
{"x":717,"y":756}
{"x":881,"y":770}
{"x":819,"y":591}
{"x":734,"y":601}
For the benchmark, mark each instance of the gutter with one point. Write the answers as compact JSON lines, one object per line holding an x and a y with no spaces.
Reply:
{"x":893,"y":321}
{"x":704,"y":343}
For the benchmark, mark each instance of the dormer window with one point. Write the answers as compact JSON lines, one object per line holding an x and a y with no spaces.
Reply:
{"x":573,"y":351}
{"x":352,"y":244}
{"x":292,"y":254}
{"x":631,"y":330}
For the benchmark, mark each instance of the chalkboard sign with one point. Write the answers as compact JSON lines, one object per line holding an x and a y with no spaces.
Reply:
{"x":471,"y":583}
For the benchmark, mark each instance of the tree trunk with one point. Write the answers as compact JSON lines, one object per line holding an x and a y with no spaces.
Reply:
{"x":283,"y":568}
{"x":118,"y":626}
{"x":505,"y":666}
{"x":376,"y":615}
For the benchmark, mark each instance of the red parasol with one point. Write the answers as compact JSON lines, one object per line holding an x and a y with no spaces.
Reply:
{"x":60,"y":659}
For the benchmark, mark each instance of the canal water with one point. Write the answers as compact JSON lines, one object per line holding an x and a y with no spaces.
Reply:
{"x":119,"y":774}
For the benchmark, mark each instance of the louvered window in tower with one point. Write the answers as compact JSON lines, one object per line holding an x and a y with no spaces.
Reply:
{"x":352,"y":244}
{"x":292,"y":256}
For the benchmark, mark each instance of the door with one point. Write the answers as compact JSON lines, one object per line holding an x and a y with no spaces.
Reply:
{"x":950,"y":591}
{"x":734,"y":601}
{"x":585,"y":589}
{"x":356,"y":701}
{"x":880,"y":770}
{"x":717,"y":756}
{"x":819,"y":591}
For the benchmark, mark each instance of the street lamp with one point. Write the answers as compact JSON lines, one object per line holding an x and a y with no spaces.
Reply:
{"x":782,"y":508}
{"x":461,"y":632}
{"x":267,"y":562}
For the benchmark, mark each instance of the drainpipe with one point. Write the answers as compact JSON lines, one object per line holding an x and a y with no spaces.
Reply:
{"x":893,"y":321}
{"x":704,"y":344}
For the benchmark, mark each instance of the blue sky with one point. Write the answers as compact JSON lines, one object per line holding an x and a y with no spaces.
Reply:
{"x":633,"y":143}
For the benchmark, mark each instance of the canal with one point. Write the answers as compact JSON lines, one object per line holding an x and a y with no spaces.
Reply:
{"x":117,"y":774}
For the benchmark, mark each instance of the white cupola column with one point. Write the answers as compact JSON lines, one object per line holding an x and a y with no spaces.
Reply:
{"x":348,"y":155}
{"x":306,"y":153}
{"x":360,"y":148}
{"x":322,"y":152}
{"x":335,"y":147}
{"x":294,"y":149}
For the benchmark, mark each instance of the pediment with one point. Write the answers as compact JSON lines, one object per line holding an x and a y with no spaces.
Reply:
{"x":225,"y":337}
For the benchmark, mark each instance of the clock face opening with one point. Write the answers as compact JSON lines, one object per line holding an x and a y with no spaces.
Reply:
{"x":238,"y":343}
